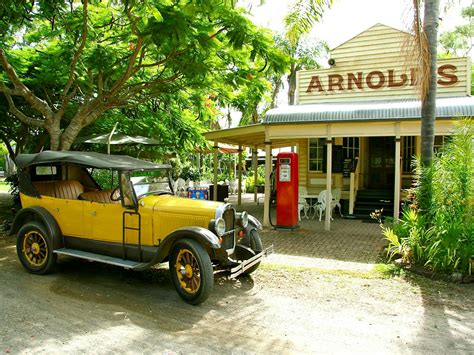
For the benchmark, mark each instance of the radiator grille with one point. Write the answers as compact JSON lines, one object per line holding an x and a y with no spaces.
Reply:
{"x":229,"y":216}
{"x":229,"y":237}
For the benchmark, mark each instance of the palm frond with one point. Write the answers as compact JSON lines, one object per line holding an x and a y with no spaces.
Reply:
{"x":303,"y":15}
{"x":417,"y":51}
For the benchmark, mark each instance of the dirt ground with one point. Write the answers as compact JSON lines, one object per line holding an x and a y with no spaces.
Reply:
{"x":290,"y":305}
{"x":91,"y":308}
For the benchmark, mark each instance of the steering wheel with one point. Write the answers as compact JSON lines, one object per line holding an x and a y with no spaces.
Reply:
{"x":115,"y":194}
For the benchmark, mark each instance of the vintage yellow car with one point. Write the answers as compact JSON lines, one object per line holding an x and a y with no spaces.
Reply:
{"x":122,"y":211}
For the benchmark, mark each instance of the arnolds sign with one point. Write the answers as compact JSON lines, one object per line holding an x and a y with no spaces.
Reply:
{"x":374,"y":66}
{"x":377,"y":79}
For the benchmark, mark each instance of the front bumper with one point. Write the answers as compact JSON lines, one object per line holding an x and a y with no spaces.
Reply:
{"x":247,"y":264}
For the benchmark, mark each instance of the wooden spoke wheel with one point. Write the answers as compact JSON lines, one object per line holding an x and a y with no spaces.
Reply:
{"x":34,"y":249}
{"x":191,"y":271}
{"x":188,"y":272}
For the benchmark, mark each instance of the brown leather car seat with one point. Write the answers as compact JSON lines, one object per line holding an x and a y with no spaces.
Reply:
{"x":66,"y":189}
{"x":101,"y":196}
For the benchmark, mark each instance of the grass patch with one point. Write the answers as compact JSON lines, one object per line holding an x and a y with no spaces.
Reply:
{"x":4,"y":186}
{"x":389,"y":270}
{"x":380,"y":271}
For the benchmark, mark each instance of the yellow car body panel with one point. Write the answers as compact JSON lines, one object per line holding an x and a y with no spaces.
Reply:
{"x":159,"y":217}
{"x":104,"y":221}
{"x":67,"y":213}
{"x":172,"y":213}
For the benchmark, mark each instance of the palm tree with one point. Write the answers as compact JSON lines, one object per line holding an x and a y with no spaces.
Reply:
{"x":304,"y":54}
{"x":427,"y":39}
{"x":303,"y":15}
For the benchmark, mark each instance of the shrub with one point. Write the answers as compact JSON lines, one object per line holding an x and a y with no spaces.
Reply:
{"x":251,"y":178}
{"x":441,"y":237}
{"x":3,"y":154}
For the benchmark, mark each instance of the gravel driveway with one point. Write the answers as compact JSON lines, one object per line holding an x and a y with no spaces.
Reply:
{"x":91,"y":308}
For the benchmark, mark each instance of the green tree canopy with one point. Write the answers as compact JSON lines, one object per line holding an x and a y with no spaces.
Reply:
{"x":63,"y":64}
{"x":305,"y":53}
{"x":459,"y":41}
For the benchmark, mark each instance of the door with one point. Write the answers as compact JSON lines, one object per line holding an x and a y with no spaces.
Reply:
{"x":68,"y":214}
{"x":381,"y":163}
{"x":104,"y":221}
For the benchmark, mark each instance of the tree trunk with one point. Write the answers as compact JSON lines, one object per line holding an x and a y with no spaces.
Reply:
{"x":292,"y":84}
{"x":229,"y":117}
{"x":54,"y":130}
{"x":69,"y":136}
{"x":6,"y":141}
{"x":82,"y":119}
{"x":276,"y":90}
{"x":428,"y":107}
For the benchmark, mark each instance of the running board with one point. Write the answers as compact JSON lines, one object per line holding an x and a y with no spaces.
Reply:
{"x":127,"y":264}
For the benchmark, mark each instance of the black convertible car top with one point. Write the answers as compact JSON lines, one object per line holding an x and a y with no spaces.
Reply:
{"x":89,"y":159}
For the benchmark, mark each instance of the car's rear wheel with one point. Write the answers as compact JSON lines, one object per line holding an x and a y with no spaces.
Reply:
{"x":34,"y":248}
{"x":191,"y":271}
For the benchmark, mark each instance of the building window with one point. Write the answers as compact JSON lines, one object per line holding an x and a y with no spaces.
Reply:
{"x":409,"y":151}
{"x":439,"y":142}
{"x":350,"y":147}
{"x":316,"y":150}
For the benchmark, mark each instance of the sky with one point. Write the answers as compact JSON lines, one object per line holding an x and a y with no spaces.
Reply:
{"x":348,"y":18}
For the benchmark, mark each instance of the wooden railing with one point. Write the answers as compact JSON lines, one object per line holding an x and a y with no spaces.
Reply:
{"x":353,"y":188}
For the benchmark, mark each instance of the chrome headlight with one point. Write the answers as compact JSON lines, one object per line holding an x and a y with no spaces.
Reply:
{"x":219,"y":227}
{"x":243,"y":219}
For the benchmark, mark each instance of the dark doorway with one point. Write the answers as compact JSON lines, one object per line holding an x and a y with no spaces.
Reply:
{"x":381,"y":163}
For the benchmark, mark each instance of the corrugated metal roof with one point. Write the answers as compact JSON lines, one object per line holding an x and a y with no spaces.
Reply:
{"x":369,"y":110}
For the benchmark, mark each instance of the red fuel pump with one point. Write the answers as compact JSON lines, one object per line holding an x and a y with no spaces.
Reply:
{"x":287,"y":191}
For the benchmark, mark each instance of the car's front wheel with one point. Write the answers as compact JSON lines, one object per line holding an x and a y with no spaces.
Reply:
{"x":191,"y":271}
{"x":34,"y":248}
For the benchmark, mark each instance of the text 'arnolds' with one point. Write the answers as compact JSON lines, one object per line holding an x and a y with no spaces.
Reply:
{"x":377,"y":79}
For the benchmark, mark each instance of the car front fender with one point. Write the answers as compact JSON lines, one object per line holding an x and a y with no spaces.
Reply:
{"x":254,"y":223}
{"x":202,"y":235}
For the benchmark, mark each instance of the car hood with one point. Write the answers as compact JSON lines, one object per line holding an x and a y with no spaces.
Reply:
{"x":182,"y":205}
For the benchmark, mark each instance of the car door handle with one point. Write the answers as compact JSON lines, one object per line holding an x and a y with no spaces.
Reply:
{"x":94,"y":213}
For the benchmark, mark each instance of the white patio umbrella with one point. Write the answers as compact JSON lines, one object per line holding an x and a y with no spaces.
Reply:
{"x":117,"y":138}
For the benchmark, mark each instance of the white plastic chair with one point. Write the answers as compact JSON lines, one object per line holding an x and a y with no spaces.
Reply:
{"x":303,"y":205}
{"x":233,"y":186}
{"x":321,"y":204}
{"x":243,"y":186}
{"x":180,"y":187}
{"x":335,"y":202}
{"x":204,"y":183}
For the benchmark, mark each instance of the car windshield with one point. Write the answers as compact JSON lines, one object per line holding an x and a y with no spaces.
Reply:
{"x":149,"y":182}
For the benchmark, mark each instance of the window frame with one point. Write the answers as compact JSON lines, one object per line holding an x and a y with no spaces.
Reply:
{"x":408,"y":152}
{"x":350,"y":151}
{"x":319,"y":148}
{"x":437,"y":145}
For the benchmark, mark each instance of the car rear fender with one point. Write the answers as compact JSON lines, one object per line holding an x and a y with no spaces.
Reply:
{"x":41,"y":215}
